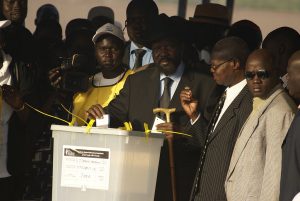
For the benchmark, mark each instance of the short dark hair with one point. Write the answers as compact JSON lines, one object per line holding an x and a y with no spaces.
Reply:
{"x":232,"y":48}
{"x":149,"y":6}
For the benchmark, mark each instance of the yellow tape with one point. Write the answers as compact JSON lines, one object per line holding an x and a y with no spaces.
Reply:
{"x":48,"y":115}
{"x":73,"y":119}
{"x":148,"y":131}
{"x":89,"y":125}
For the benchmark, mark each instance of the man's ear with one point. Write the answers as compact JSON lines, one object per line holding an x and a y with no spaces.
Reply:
{"x":236,"y":64}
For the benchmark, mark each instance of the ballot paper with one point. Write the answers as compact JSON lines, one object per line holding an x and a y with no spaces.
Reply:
{"x":157,"y":121}
{"x":103,"y":122}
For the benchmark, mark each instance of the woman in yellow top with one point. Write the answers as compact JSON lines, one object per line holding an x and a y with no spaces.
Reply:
{"x":109,"y":49}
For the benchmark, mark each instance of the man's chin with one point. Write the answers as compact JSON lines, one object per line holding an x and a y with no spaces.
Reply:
{"x":167,"y":69}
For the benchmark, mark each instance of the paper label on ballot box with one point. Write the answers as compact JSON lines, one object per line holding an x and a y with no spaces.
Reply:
{"x":85,"y":167}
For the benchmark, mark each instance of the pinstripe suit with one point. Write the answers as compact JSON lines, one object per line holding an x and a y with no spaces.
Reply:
{"x":220,"y":147}
{"x":254,"y":171}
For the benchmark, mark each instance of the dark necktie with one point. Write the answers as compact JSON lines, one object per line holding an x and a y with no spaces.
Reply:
{"x":211,"y":129}
{"x":165,"y":98}
{"x":139,"y":53}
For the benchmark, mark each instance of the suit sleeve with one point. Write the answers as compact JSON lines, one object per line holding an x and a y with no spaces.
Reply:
{"x":276,"y":130}
{"x":118,"y":108}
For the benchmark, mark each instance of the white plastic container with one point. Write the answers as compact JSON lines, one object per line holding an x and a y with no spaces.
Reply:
{"x":127,"y":171}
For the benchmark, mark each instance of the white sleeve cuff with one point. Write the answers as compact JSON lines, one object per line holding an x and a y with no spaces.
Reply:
{"x":193,"y":122}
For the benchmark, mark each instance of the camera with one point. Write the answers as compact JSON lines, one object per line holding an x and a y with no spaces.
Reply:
{"x":74,"y":77}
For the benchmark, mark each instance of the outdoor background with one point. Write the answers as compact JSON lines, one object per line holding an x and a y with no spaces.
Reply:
{"x":268,"y":14}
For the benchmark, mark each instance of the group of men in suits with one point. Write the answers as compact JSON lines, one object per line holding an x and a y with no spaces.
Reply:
{"x":230,"y":144}
{"x":235,"y":152}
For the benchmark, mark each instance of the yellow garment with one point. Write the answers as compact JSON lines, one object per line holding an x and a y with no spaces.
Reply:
{"x":96,"y":95}
{"x":257,"y":102}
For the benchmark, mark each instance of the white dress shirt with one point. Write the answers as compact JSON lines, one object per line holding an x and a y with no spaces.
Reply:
{"x":231,"y":93}
{"x":6,"y":112}
{"x":147,"y":58}
{"x":175,"y":77}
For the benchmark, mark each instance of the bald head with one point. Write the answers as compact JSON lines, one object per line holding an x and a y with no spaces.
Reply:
{"x":294,"y":75}
{"x":231,"y":48}
{"x":260,"y":73}
{"x":264,"y":56}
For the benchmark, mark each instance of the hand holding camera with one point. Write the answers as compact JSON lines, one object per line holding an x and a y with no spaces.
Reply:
{"x":71,"y":76}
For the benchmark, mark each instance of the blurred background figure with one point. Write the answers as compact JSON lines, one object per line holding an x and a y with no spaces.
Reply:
{"x":139,"y":20}
{"x":248,"y":31}
{"x":79,"y":33}
{"x":46,"y":12}
{"x":208,"y":25}
{"x":19,"y":41}
{"x":282,"y":43}
{"x":101,"y":15}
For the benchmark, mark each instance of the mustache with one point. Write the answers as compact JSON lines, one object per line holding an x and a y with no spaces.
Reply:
{"x":165,"y":59}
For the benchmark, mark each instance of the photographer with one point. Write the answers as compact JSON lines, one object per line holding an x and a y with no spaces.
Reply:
{"x":109,"y":50}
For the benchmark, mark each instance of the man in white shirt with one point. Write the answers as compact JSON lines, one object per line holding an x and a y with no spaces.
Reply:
{"x":140,"y":16}
{"x":217,"y":138}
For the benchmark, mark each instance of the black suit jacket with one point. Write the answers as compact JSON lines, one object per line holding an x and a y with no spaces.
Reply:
{"x":220,"y":148}
{"x":290,"y":174}
{"x":135,"y":103}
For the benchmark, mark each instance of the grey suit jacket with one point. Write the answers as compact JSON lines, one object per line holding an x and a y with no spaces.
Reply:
{"x":220,"y":147}
{"x":255,"y":166}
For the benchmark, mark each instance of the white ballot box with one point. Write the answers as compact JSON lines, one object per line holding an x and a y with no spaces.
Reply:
{"x":105,"y":165}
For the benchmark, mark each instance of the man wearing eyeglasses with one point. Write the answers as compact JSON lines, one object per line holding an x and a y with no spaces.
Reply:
{"x":255,"y":166}
{"x":217,"y":138}
{"x":139,"y":17}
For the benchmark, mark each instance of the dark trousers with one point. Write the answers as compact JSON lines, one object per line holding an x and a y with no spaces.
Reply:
{"x":6,"y":189}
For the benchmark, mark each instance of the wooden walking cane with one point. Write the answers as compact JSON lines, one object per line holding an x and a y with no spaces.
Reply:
{"x":168,"y":112}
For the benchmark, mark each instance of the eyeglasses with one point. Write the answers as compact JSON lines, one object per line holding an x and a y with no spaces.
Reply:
{"x":214,"y":67}
{"x":261,"y":74}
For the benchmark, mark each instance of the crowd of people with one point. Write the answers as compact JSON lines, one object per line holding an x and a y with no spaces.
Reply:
{"x":234,"y":91}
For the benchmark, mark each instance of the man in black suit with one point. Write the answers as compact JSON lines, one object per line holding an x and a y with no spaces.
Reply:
{"x":217,"y":139}
{"x":142,"y":93}
{"x":139,"y":20}
{"x":290,"y":173}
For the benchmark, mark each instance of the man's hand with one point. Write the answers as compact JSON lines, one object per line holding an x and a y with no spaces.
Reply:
{"x":12,"y":97}
{"x":167,"y":127}
{"x":54,"y":77}
{"x":95,"y":112}
{"x":188,"y":103}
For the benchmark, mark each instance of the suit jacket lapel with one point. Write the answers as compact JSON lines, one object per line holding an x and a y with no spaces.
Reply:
{"x":248,"y":130}
{"x":229,"y":113}
{"x":153,"y":89}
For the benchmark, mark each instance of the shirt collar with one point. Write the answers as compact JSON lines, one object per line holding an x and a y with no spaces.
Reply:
{"x":177,"y":75}
{"x":6,"y":62}
{"x":134,"y":47}
{"x":234,"y":90}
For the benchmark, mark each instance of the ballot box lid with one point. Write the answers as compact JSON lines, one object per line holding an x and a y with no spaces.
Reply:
{"x":104,"y":131}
